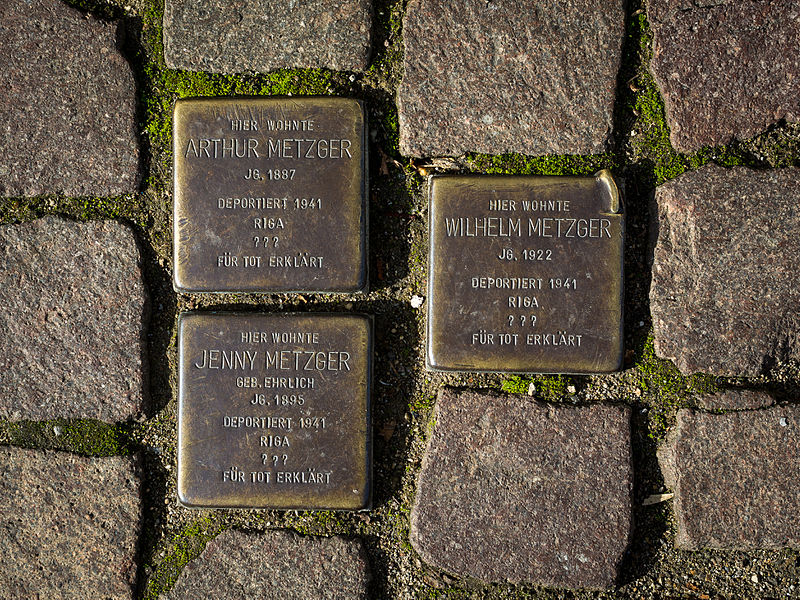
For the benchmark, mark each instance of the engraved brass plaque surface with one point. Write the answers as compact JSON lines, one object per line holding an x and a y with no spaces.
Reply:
{"x":270,"y":195}
{"x":273,"y":411}
{"x":525,"y":274}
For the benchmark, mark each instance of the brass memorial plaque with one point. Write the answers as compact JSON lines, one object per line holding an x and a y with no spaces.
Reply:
{"x":273,"y":411}
{"x":270,"y":195}
{"x":525,"y":274}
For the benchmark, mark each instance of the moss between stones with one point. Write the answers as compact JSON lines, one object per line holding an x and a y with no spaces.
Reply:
{"x":519,"y":164}
{"x":550,"y":388}
{"x":319,"y":522}
{"x":19,"y":211}
{"x":449,"y":594}
{"x":650,"y":134}
{"x":186,"y":546}
{"x":128,"y":208}
{"x":87,"y":437}
{"x":165,"y":85}
{"x":423,"y":404}
{"x":667,"y":389}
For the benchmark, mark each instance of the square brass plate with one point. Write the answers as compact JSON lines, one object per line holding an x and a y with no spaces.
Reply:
{"x":273,"y":411}
{"x":270,"y":195}
{"x":525,"y":274}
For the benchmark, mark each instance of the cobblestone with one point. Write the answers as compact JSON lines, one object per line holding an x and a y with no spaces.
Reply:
{"x":67,"y":105}
{"x":72,"y":313}
{"x":524,"y":492}
{"x":724,"y":297}
{"x":734,"y":476}
{"x":723,"y":67}
{"x":276,"y":565}
{"x":736,"y":400}
{"x":262,"y":35}
{"x":69,"y":527}
{"x":509,"y":76}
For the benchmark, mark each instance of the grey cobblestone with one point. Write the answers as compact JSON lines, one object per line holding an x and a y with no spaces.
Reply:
{"x":723,"y":296}
{"x":515,"y":490}
{"x":262,"y":35}
{"x":510,"y":76}
{"x":67,"y":104}
{"x":69,"y":527}
{"x":275,"y":565}
{"x":72,"y":312}
{"x":725,"y":67}
{"x":735,"y":478}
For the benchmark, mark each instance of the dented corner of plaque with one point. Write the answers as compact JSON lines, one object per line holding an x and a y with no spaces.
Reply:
{"x":609,"y":192}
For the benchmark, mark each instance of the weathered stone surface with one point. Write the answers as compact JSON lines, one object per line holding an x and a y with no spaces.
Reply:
{"x":725,"y":67}
{"x":69,"y":527}
{"x":724,"y":294}
{"x":735,"y":478}
{"x":736,"y":400}
{"x":72,"y":305}
{"x":262,"y":35}
{"x":509,"y":76}
{"x":275,"y":565}
{"x":512,"y":490}
{"x":67,"y":104}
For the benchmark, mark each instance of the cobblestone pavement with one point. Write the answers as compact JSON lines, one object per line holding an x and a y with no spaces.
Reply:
{"x":676,"y":477}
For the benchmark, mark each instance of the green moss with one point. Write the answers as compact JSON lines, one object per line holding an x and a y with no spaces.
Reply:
{"x":169,"y":85}
{"x":423,"y":404}
{"x":164,"y":86}
{"x":519,"y":164}
{"x":87,"y":437}
{"x":17,"y":210}
{"x":431,"y":594}
{"x":186,"y":546}
{"x":391,"y":130}
{"x":319,"y":522}
{"x":386,"y":63}
{"x":97,"y":439}
{"x":128,"y":208}
{"x":667,"y":389}
{"x":383,"y":75}
{"x":650,"y":134}
{"x":547,"y":387}
{"x":122,"y":207}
